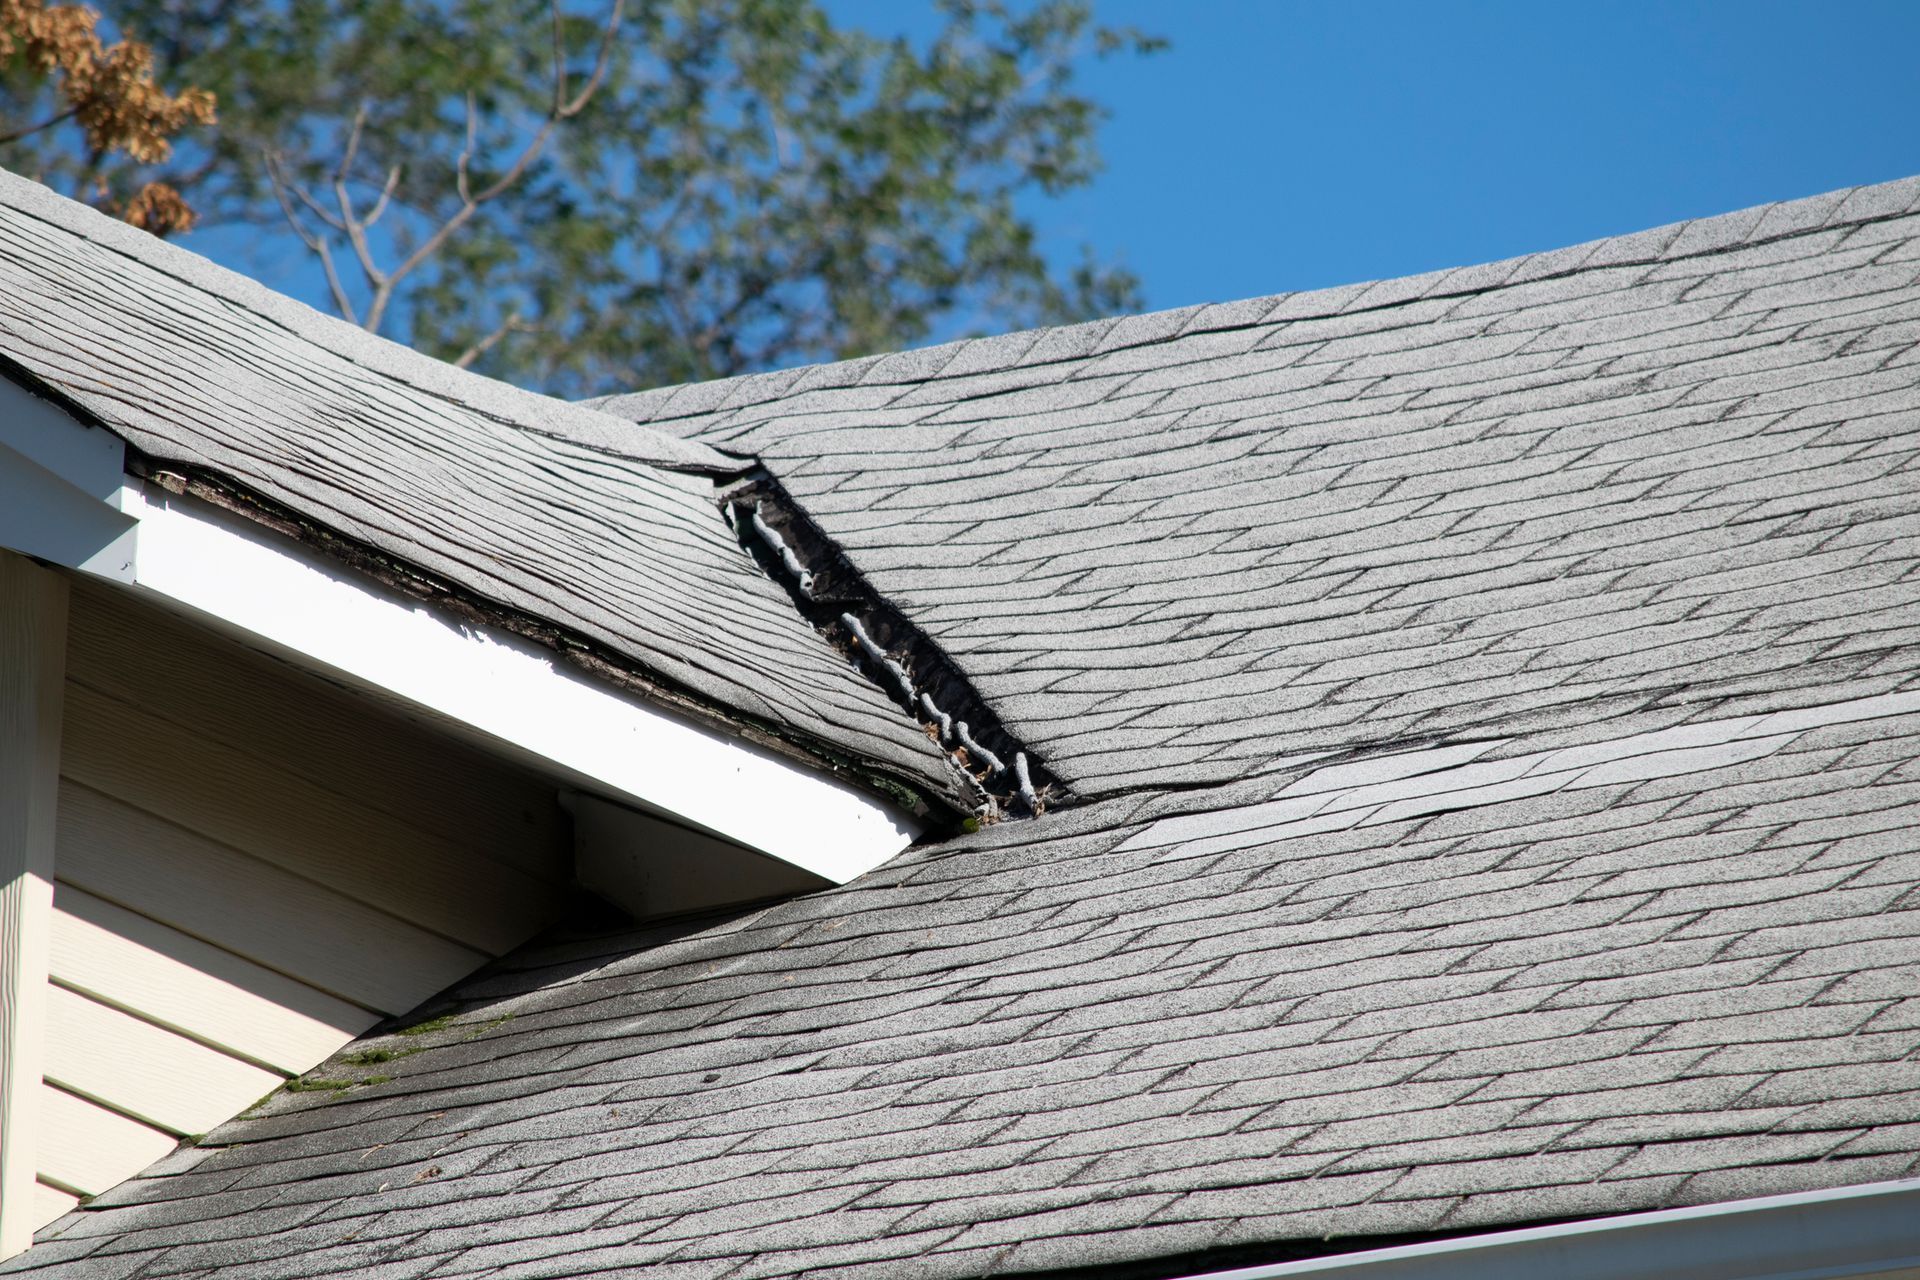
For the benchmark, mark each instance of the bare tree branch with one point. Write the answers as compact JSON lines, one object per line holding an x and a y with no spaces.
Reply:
{"x":600,"y":63}
{"x":32,"y":129}
{"x":354,"y":227}
{"x":314,"y":206}
{"x":382,"y":283}
{"x":317,"y":244}
{"x":470,"y":200}
{"x":512,"y":324}
{"x":465,"y":157}
{"x":386,"y":195}
{"x":559,"y":61}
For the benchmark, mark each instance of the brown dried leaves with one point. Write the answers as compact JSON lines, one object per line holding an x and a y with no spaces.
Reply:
{"x":109,"y":91}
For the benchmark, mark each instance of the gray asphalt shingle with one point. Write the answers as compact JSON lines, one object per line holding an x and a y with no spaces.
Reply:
{"x":1590,"y":422}
{"x":1493,"y":711}
{"x":548,"y":512}
{"x":1371,"y":1055}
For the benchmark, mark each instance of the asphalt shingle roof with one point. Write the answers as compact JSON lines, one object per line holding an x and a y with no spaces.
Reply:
{"x":1171,"y":548}
{"x":1492,"y":701}
{"x":557,"y":513}
{"x":1687,"y":980}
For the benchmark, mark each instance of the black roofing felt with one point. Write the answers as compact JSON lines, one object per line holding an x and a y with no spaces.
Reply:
{"x":1494,"y":705}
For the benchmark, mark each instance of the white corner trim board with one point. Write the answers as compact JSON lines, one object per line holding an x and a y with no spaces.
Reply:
{"x":1869,"y":1232}
{"x":58,"y":485}
{"x":328,"y":618}
{"x":33,"y":622}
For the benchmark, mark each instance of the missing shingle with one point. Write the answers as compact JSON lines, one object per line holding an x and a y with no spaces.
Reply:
{"x":896,"y":655}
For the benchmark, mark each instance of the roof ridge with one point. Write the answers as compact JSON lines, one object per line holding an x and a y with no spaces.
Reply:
{"x":581,"y":424}
{"x":1689,"y":238}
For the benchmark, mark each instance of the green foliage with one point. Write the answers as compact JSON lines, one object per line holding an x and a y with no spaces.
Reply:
{"x":429,"y":1026}
{"x":491,"y":1024}
{"x":317,"y":1085}
{"x":749,"y":186}
{"x":372,"y":1057}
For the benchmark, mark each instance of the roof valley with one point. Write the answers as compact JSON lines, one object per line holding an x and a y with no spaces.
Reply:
{"x":1004,"y":774}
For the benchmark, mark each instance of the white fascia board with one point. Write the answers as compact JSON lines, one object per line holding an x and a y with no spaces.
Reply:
{"x":43,"y":516}
{"x":59,"y":484}
{"x":88,"y":458}
{"x":1869,"y":1232}
{"x":64,"y":498}
{"x":509,"y":689}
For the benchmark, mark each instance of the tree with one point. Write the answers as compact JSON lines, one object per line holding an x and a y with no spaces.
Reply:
{"x":55,"y":71}
{"x":591,"y":199}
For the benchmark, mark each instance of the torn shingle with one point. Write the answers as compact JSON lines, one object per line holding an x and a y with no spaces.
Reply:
{"x":1491,"y":703}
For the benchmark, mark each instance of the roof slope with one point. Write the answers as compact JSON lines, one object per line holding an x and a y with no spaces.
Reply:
{"x":554,"y":511}
{"x":1682,"y":974}
{"x":1587,"y":584}
{"x":1170,"y":548}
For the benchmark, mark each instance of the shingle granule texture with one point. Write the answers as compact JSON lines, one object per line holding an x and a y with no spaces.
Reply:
{"x":1170,"y":548}
{"x":1493,"y":702}
{"x":555,"y":512}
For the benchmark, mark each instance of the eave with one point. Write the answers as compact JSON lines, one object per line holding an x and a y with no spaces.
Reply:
{"x":1860,"y":1233}
{"x":70,"y":501}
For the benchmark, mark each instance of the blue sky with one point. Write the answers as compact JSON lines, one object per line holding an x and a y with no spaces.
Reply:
{"x":1283,"y":146}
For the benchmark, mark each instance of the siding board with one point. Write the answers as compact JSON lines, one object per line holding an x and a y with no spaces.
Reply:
{"x":253,"y":866}
{"x":297,"y":825}
{"x":282,"y":921}
{"x":125,"y":959}
{"x":341,"y":740}
{"x":50,"y":1203}
{"x":135,"y":1067}
{"x":96,"y":1146}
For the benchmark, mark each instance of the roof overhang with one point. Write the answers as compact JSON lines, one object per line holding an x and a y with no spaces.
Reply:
{"x":65,"y":498}
{"x":1869,"y":1232}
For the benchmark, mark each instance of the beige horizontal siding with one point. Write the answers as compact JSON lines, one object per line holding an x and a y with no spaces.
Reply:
{"x":344,"y":741}
{"x":254,"y":865}
{"x":95,"y":1145}
{"x":144,"y":1071}
{"x":50,"y":1203}
{"x":235,"y":1005}
{"x":277,"y":816}
{"x":274,"y":917}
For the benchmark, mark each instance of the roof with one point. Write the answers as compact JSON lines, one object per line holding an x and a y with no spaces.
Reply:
{"x":1118,"y":1040}
{"x":1490,"y":702}
{"x":1171,"y":548}
{"x":554,"y":517}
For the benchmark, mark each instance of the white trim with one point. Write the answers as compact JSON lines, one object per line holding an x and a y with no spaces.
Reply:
{"x":1869,"y":1232}
{"x":90,"y":459}
{"x":280,"y":594}
{"x":507,"y":688}
{"x":59,"y":487}
{"x":33,"y":631}
{"x":650,"y":868}
{"x":43,"y":516}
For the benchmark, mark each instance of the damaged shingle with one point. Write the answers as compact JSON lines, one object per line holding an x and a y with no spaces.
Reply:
{"x":918,"y":675}
{"x":1492,"y":702}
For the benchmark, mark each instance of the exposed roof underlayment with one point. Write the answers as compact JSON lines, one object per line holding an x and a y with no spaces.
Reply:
{"x":1491,"y":702}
